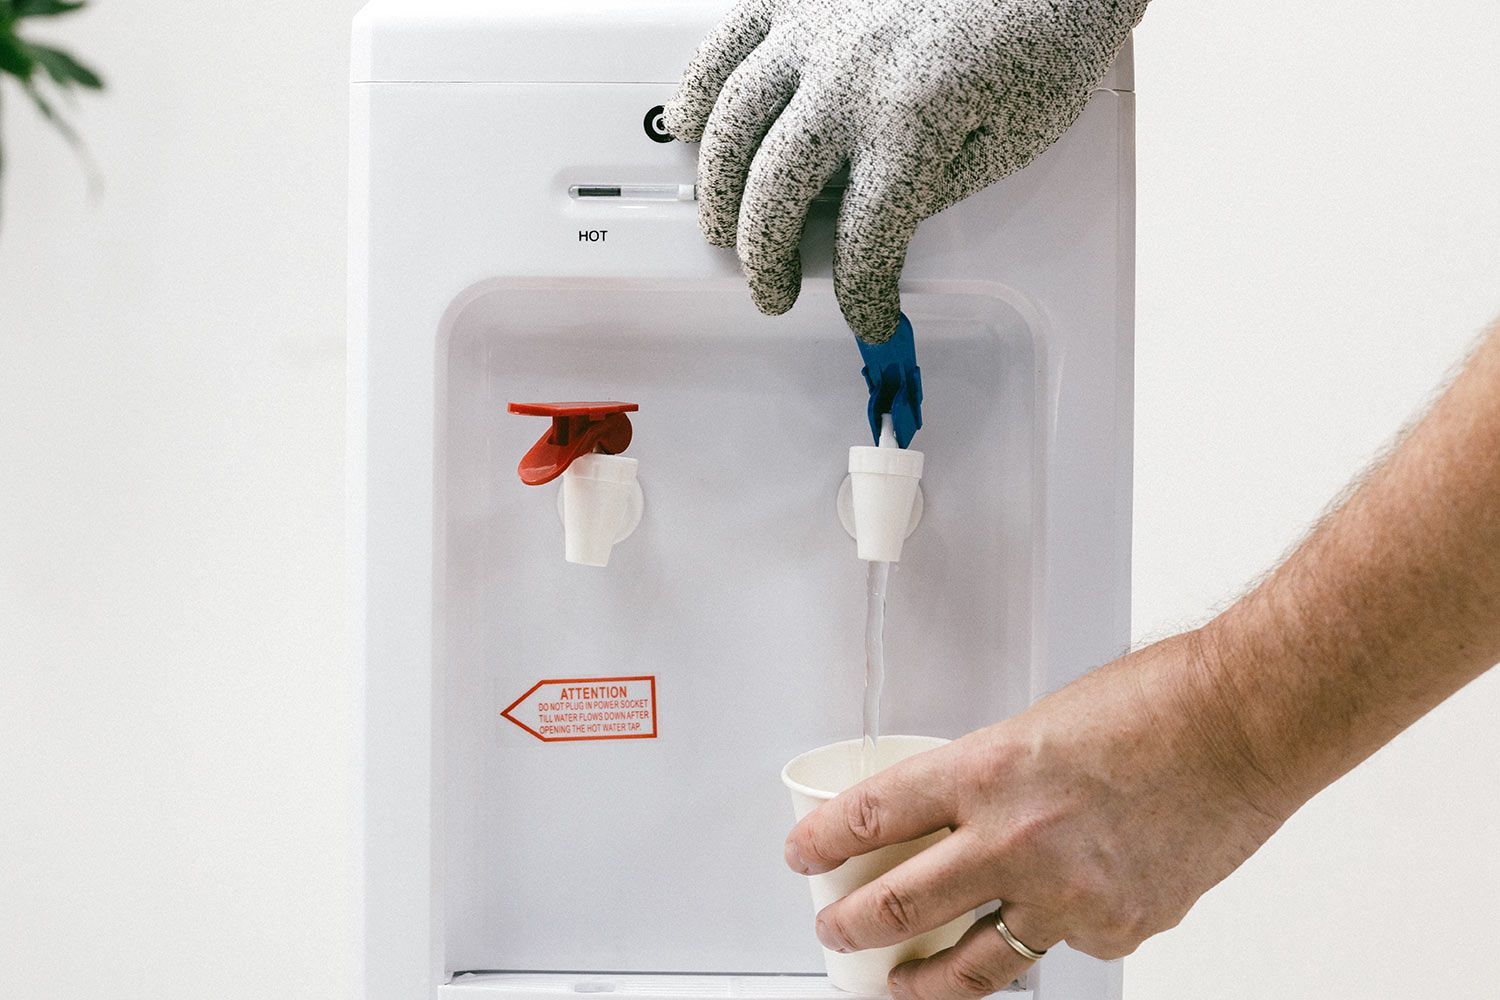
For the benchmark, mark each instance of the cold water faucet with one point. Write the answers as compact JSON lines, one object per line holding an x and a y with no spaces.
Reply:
{"x":884,"y":498}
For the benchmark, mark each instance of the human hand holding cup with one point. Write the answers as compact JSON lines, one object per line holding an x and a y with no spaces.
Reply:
{"x":818,"y":776}
{"x":1099,"y":816}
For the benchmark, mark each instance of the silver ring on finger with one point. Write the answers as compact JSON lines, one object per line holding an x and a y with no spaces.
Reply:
{"x":1030,"y":954}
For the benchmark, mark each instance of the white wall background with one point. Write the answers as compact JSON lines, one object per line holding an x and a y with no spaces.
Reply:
{"x":1319,"y":240}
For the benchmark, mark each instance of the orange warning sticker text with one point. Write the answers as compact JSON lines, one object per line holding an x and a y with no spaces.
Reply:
{"x":587,"y":708}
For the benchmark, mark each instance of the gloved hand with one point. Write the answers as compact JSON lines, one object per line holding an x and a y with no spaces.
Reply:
{"x":926,"y":101}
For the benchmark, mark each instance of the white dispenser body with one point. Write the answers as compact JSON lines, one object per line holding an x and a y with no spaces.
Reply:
{"x":515,"y":848}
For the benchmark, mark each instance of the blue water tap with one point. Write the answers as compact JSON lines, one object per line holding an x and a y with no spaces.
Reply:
{"x":895,"y":383}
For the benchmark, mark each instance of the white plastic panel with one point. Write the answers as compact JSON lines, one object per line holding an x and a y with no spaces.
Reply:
{"x":740,"y":593}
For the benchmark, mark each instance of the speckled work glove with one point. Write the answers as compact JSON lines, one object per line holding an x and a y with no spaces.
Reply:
{"x":926,"y":101}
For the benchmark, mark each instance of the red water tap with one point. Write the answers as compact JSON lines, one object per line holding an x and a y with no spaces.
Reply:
{"x":577,"y":429}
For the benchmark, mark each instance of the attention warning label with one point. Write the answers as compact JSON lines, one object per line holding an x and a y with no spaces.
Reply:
{"x":587,"y":708}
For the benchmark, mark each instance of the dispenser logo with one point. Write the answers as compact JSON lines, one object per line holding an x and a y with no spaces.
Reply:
{"x":587,"y":708}
{"x":656,"y":125}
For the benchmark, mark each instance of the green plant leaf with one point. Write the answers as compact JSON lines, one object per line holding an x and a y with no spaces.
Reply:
{"x":22,"y":60}
{"x":16,"y":58}
{"x":45,"y":8}
{"x":64,"y":70}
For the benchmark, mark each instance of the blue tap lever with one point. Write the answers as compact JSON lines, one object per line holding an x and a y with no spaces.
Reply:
{"x":895,"y":383}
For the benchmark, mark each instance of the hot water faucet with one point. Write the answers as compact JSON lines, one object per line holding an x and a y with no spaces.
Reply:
{"x":601,"y":500}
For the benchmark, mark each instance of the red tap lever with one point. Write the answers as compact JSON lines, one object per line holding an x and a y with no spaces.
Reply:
{"x":577,"y":429}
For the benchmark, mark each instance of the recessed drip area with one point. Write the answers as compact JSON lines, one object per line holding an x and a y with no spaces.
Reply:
{"x":736,"y":607}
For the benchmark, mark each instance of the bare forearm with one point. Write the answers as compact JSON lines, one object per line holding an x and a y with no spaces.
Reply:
{"x":1391,"y":605}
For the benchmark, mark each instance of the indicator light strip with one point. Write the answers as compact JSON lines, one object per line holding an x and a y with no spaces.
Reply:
{"x":668,"y":192}
{"x":635,"y":192}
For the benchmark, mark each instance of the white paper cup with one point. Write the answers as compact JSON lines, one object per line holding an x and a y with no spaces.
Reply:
{"x":817,"y":776}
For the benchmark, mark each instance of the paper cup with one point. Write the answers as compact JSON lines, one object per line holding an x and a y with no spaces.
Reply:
{"x":817,"y":776}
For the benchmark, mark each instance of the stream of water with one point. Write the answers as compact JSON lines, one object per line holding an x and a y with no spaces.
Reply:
{"x":875,"y":589}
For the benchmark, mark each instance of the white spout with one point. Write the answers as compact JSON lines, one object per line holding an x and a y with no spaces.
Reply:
{"x":883,"y":482}
{"x":601,"y":506}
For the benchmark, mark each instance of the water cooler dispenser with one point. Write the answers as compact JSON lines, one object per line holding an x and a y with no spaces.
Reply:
{"x":578,"y":693}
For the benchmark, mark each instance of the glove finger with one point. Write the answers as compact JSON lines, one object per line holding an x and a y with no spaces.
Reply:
{"x":889,"y":193}
{"x":749,"y":104}
{"x":743,"y":28}
{"x":795,"y":161}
